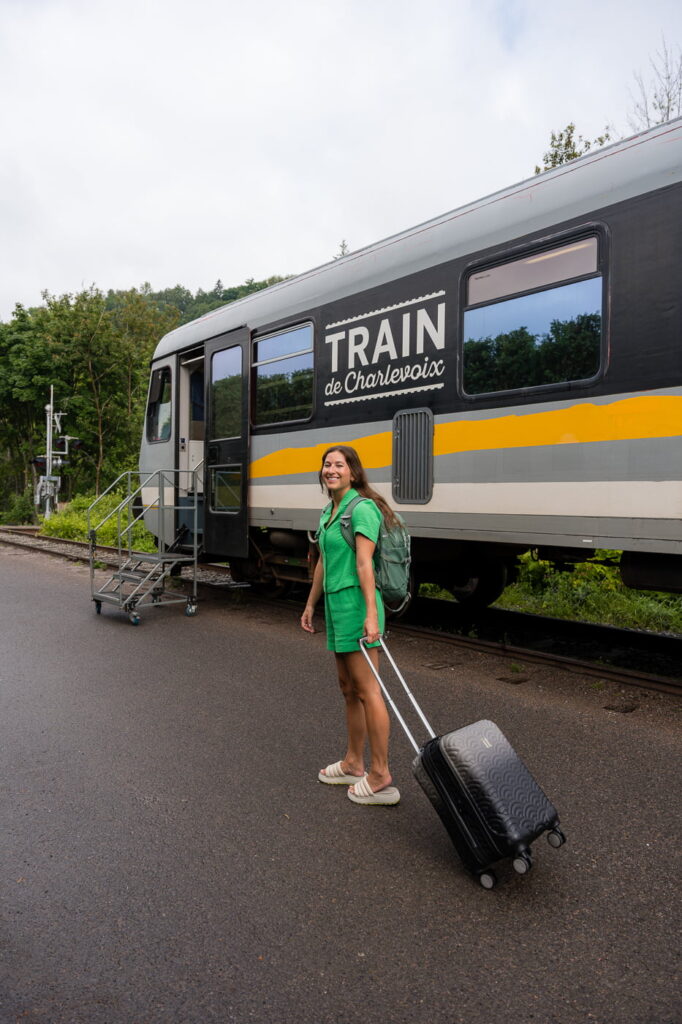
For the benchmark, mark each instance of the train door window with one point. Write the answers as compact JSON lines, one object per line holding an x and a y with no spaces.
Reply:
{"x":283,"y":369}
{"x":226,"y":393}
{"x":196,"y":401}
{"x":226,"y":489}
{"x":159,"y":406}
{"x":534,"y":321}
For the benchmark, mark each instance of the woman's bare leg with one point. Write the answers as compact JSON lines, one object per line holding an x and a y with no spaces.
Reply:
{"x":354,"y":761}
{"x":376,"y":726}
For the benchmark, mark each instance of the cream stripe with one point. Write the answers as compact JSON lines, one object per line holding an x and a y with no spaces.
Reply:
{"x":622,"y":499}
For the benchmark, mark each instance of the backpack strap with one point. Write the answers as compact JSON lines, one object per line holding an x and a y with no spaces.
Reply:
{"x":347,"y":520}
{"x":317,"y":531}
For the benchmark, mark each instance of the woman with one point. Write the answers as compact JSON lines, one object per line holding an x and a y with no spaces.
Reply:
{"x":353,"y":608}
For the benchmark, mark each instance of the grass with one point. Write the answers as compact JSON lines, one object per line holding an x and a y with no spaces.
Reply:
{"x":592,"y":592}
{"x":72,"y":523}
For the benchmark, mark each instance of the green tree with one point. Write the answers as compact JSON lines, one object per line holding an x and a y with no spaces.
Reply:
{"x":94,"y":349}
{"x":566,"y":145}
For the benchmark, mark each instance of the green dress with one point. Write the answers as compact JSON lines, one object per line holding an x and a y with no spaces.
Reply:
{"x":344,"y":604}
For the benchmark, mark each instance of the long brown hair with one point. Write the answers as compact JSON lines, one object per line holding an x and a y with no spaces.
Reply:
{"x":358,"y":480}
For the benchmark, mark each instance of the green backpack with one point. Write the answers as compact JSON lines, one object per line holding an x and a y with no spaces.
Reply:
{"x":391,"y":557}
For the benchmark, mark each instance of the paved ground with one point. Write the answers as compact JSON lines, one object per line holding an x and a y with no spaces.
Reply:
{"x":168,"y":855}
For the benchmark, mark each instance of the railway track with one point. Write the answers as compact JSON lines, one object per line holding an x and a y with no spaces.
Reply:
{"x":632,"y":657}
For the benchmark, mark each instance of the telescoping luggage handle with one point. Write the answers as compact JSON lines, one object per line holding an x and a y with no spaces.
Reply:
{"x":363,"y":648}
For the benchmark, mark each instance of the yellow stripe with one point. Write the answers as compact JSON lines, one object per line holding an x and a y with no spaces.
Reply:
{"x":583,"y":423}
{"x":586,"y":423}
{"x":374,"y":451}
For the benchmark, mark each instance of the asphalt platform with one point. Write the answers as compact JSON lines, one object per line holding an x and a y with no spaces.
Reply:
{"x":167,"y":855}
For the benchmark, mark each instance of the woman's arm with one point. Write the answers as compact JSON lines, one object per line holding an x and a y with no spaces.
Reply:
{"x":313,"y":597}
{"x":364,"y":553}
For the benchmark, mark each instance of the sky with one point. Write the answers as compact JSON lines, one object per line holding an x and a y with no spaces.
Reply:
{"x":171,"y":142}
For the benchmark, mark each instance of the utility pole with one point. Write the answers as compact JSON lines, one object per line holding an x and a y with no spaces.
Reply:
{"x":49,"y":483}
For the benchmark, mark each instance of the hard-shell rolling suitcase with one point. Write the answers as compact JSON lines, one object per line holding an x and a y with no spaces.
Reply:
{"x":485,"y":796}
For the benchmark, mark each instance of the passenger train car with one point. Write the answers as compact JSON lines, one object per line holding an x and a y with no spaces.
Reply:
{"x":511,"y":374}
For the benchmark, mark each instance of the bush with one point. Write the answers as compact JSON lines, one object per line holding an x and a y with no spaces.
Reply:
{"x":72,"y":523}
{"x":18,"y":509}
{"x":592,"y":592}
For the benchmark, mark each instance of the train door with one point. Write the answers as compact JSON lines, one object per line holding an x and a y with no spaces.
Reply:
{"x":226,"y":371}
{"x":191,"y":436}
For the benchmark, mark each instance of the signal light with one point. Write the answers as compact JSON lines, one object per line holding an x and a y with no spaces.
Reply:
{"x":67,"y":442}
{"x":40,"y":462}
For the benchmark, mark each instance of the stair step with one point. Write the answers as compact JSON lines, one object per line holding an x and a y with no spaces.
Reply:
{"x":132,"y":575}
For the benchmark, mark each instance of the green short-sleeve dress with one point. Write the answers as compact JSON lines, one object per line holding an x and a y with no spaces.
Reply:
{"x":344,"y":605}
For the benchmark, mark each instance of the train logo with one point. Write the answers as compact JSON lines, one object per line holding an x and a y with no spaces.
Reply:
{"x":391,"y":351}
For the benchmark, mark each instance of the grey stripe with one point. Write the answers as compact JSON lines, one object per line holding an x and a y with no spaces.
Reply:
{"x":645,"y":459}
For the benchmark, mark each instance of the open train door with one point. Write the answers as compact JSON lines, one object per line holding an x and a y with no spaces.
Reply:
{"x":226,"y":525}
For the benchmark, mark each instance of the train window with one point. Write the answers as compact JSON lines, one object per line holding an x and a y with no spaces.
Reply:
{"x":283,"y":366}
{"x":534,"y":321}
{"x":196,"y":401}
{"x":226,"y":489}
{"x":159,"y":406}
{"x":226,"y":393}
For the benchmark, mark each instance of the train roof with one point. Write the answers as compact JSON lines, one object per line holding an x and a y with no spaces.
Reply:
{"x":634,"y":166}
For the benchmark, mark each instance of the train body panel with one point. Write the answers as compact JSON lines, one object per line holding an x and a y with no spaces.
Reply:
{"x":511,"y":374}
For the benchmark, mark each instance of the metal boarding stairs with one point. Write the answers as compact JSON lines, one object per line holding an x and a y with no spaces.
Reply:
{"x":140,"y":577}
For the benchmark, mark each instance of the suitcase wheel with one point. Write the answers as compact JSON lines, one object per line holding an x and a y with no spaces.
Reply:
{"x":556,"y":838}
{"x":522,"y":863}
{"x":487,"y":879}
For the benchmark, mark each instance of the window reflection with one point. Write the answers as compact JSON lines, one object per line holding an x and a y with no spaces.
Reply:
{"x":284,"y":376}
{"x":226,"y":489}
{"x":546,"y":337}
{"x":159,"y":407}
{"x":226,"y":393}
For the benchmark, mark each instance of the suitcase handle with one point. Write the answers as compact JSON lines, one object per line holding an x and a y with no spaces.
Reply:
{"x":363,"y":648}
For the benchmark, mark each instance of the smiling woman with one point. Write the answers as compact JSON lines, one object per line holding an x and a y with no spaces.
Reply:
{"x":353,"y":609}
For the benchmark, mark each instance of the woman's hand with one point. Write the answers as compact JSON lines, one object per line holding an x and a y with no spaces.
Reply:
{"x":307,"y":619}
{"x":371,"y":628}
{"x":313,"y":598}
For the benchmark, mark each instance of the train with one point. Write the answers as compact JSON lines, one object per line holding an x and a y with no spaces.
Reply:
{"x":510,"y":374}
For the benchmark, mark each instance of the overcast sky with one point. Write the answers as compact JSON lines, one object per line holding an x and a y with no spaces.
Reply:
{"x":181,"y":143}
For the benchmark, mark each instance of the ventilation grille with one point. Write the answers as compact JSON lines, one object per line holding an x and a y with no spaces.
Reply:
{"x":413,"y":456}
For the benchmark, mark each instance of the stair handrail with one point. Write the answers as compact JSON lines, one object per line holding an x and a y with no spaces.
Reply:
{"x":159,"y":505}
{"x":127,"y":475}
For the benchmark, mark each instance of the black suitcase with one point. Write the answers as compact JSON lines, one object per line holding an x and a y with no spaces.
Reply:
{"x":487,"y":799}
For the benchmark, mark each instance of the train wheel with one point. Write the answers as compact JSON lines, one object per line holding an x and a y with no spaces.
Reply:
{"x":481,"y":590}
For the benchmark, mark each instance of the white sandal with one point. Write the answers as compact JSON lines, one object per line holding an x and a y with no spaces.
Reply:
{"x":364,"y":794}
{"x":334,"y":775}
